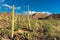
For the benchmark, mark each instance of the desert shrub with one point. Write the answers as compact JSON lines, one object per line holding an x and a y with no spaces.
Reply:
{"x":5,"y":33}
{"x":16,"y":27}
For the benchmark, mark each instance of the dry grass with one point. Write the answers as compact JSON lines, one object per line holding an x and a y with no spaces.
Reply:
{"x":38,"y":30}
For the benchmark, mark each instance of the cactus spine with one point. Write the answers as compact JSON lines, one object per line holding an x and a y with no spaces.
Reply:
{"x":12,"y":21}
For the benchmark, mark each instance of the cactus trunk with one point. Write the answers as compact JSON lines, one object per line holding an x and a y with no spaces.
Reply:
{"x":12,"y":21}
{"x":28,"y":17}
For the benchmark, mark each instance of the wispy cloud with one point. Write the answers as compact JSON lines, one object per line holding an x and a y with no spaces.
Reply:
{"x":17,"y":7}
{"x":32,"y":12}
{"x":9,"y":6}
{"x":2,"y":0}
{"x":6,"y":5}
{"x":46,"y":12}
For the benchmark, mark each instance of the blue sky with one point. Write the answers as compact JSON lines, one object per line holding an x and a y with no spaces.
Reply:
{"x":52,"y":6}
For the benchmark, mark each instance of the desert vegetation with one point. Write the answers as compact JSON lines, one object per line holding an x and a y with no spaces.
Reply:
{"x":38,"y":30}
{"x":24,"y":27}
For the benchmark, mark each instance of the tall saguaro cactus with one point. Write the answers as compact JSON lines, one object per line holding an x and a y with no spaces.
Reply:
{"x":28,"y":17}
{"x":28,"y":20}
{"x":12,"y":21}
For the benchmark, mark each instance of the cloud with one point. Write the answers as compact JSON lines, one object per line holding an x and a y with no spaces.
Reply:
{"x":47,"y":12}
{"x":6,"y":5}
{"x":17,"y":7}
{"x":2,"y":1}
{"x":9,"y":6}
{"x":32,"y":12}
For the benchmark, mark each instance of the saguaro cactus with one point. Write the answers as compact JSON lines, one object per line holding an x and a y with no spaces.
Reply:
{"x":12,"y":21}
{"x":18,"y":19}
{"x":28,"y":17}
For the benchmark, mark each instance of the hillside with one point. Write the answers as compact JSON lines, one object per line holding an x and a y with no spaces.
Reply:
{"x":54,"y":16}
{"x":44,"y":16}
{"x":5,"y":19}
{"x":38,"y":30}
{"x":39,"y":15}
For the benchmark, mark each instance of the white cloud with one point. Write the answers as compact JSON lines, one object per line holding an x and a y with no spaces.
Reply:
{"x":47,"y":12}
{"x":9,"y":6}
{"x":2,"y":0}
{"x":17,"y":7}
{"x":32,"y":12}
{"x":6,"y":5}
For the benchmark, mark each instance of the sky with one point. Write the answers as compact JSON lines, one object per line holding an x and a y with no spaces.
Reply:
{"x":52,"y":6}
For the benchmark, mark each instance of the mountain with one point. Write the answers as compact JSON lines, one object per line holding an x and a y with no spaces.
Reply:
{"x":39,"y":15}
{"x":45,"y":16}
{"x":54,"y":16}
